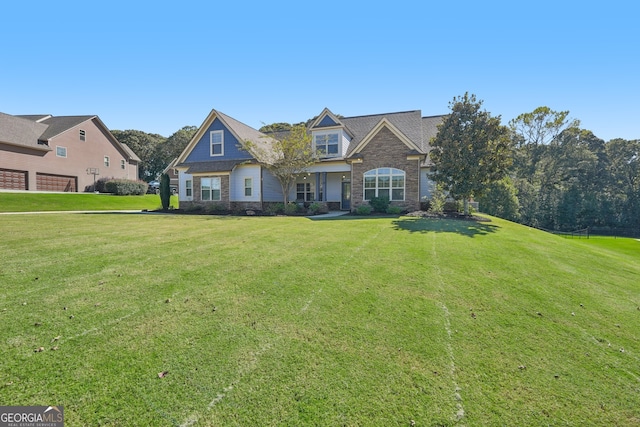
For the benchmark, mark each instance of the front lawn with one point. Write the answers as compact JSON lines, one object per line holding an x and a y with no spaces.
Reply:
{"x":293,"y":321}
{"x":37,"y":202}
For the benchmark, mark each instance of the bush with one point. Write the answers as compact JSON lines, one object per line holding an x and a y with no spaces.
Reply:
{"x":165,"y":191}
{"x":291,"y":208}
{"x":363,"y":210}
{"x":126,"y":187}
{"x":318,"y":208}
{"x":437,"y":202}
{"x":379,"y":204}
{"x":394,"y":210}
{"x":275,"y":209}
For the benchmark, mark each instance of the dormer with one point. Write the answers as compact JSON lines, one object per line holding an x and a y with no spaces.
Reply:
{"x":330,"y":138}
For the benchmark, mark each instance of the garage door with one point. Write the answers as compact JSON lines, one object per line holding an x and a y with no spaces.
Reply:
{"x":46,"y":182}
{"x":13,"y":180}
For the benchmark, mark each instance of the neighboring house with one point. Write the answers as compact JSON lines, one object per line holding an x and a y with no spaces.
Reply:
{"x":47,"y":153}
{"x":383,"y":155}
{"x":173,"y":175}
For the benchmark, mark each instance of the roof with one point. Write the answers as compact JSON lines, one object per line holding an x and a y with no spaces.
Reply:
{"x":22,"y":132}
{"x":429,"y":131}
{"x":214,"y":166}
{"x":32,"y":130}
{"x":407,"y":122}
{"x":58,"y":125}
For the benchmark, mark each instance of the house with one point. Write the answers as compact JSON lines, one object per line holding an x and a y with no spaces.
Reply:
{"x":46,"y":153}
{"x":173,"y":174}
{"x":383,"y":155}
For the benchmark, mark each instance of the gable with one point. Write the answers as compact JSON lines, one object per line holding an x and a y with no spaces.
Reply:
{"x":386,"y":125}
{"x":326,"y":121}
{"x":201,"y":150}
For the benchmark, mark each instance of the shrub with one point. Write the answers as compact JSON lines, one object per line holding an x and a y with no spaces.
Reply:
{"x":437,"y":202}
{"x":275,"y":208}
{"x":394,"y":210}
{"x":125,"y":187}
{"x":379,"y":204}
{"x":453,"y":206}
{"x":165,"y":191}
{"x":291,"y":208}
{"x":318,"y":208}
{"x":363,"y":210}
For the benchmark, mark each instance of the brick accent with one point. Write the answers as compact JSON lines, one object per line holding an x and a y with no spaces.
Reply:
{"x":224,"y":191}
{"x":385,"y":150}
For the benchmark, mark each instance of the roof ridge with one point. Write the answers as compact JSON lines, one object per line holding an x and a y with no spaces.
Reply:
{"x":381,"y":114}
{"x":434,"y":116}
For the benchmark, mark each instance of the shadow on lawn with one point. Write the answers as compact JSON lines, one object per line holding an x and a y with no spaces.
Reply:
{"x":470,"y":228}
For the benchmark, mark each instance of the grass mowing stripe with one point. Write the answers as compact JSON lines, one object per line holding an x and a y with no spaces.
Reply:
{"x":459,"y":415}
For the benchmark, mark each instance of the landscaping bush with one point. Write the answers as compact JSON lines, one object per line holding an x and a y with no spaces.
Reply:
{"x":394,"y":210}
{"x":437,"y":202}
{"x":165,"y":191}
{"x":291,"y":208}
{"x":275,"y":209}
{"x":363,"y":210}
{"x":126,"y":187}
{"x":318,"y":208}
{"x":379,"y":204}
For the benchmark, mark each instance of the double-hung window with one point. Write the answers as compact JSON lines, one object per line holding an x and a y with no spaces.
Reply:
{"x":210,"y":188}
{"x":123,"y":164}
{"x":217,"y":142}
{"x":188,"y":186}
{"x":304,"y":191}
{"x":327,"y":144}
{"x":106,"y":161}
{"x":248,"y":187}
{"x":384,"y":182}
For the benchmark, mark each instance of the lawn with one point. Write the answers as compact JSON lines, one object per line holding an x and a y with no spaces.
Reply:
{"x":37,"y":202}
{"x":291,"y":321}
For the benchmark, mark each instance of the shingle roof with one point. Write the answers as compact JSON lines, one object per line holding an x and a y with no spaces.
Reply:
{"x":215,"y":166}
{"x":407,"y":122}
{"x":57,"y":125}
{"x":429,"y":131}
{"x":22,"y":132}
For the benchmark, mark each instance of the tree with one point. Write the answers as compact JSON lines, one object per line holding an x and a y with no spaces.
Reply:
{"x":471,"y":150}
{"x":165,"y":191}
{"x":285,"y":157}
{"x":501,"y":200}
{"x":145,"y":145}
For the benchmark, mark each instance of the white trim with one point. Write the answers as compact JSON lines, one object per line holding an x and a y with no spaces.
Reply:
{"x":392,"y":172}
{"x":65,"y":151}
{"x":321,"y":116}
{"x":219,"y":189}
{"x":326,"y":155}
{"x":250,"y":187}
{"x":211,"y":143}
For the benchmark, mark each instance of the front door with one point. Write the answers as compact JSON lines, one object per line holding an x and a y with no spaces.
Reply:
{"x":346,"y":195}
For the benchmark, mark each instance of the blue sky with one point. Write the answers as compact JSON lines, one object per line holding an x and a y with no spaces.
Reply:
{"x":157,"y":67}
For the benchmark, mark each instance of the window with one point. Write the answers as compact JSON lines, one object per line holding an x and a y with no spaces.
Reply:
{"x":188,"y":184}
{"x":83,"y":136}
{"x":123,"y":164}
{"x":248,"y":187}
{"x":61,"y":151}
{"x":304,"y":192}
{"x":210,"y":189}
{"x":384,"y":182}
{"x":106,"y":161}
{"x":327,"y":144}
{"x":217,"y":142}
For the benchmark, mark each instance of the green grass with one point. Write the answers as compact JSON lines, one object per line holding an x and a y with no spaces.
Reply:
{"x":290,"y":321}
{"x":37,"y":202}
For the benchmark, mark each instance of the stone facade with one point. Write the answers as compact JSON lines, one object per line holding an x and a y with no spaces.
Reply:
{"x":386,"y":150}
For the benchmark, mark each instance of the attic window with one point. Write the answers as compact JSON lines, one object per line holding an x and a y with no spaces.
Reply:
{"x":83,"y":136}
{"x":217,"y":142}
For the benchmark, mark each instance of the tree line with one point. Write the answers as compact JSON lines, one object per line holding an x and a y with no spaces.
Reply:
{"x":542,"y":169}
{"x":155,"y":151}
